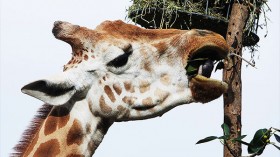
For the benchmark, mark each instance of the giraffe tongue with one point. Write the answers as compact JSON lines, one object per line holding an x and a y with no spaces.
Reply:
{"x":206,"y":68}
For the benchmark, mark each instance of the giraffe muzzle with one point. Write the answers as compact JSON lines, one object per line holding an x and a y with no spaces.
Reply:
{"x":200,"y":66}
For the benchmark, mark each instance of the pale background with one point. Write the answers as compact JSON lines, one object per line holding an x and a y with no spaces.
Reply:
{"x":29,"y":51}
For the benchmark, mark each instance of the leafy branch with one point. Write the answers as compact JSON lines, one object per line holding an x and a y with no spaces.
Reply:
{"x":256,"y":146}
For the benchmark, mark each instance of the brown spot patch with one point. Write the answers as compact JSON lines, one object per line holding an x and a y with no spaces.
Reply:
{"x":128,"y":87}
{"x":165,"y":79}
{"x":117,"y":88}
{"x":85,"y":57}
{"x":144,"y":86}
{"x":79,"y":53}
{"x":147,"y":67}
{"x":49,"y":148}
{"x":129,"y":100}
{"x":57,"y":119}
{"x":148,"y":101}
{"x":109,"y":93}
{"x":161,"y":47}
{"x":75,"y":135}
{"x":103,"y":106}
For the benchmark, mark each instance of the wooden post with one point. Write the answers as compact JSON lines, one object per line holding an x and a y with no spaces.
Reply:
{"x":232,"y":75}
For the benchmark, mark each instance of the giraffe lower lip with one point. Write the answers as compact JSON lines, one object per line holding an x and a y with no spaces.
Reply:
{"x":206,"y":89}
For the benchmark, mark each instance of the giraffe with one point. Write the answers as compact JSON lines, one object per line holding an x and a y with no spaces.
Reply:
{"x":118,"y":72}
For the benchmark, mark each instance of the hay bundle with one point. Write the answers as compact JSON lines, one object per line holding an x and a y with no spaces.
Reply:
{"x":187,"y":14}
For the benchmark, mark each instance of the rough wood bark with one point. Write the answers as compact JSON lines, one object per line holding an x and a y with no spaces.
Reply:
{"x":232,"y":75}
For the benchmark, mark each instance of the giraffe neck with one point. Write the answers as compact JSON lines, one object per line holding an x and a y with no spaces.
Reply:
{"x":69,"y":130}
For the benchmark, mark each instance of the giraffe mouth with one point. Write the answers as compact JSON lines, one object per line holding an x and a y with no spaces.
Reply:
{"x":199,"y":68}
{"x":203,"y":63}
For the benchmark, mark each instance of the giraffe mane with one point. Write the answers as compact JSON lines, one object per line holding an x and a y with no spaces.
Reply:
{"x":31,"y":130}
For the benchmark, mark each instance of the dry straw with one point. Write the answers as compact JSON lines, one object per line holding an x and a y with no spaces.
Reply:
{"x":215,"y":9}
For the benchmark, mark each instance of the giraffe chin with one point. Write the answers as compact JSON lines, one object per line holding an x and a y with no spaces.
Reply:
{"x":206,"y":89}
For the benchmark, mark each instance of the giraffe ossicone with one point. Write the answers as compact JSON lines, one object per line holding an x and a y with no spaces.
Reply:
{"x":119,"y":72}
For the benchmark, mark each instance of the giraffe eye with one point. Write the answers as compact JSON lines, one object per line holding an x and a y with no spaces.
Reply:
{"x":121,"y":60}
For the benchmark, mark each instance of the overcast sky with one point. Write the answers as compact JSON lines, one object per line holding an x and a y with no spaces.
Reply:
{"x":29,"y":52}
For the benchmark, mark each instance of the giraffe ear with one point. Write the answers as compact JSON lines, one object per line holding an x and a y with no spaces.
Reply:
{"x":52,"y":93}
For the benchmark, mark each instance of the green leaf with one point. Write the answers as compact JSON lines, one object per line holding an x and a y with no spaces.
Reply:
{"x":255,"y":150}
{"x":258,"y":143}
{"x":225,"y":127}
{"x":191,"y":69}
{"x":277,"y":137}
{"x":207,"y":139}
{"x":193,"y":65}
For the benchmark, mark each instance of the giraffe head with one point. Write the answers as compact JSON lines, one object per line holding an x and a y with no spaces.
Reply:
{"x":126,"y":73}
